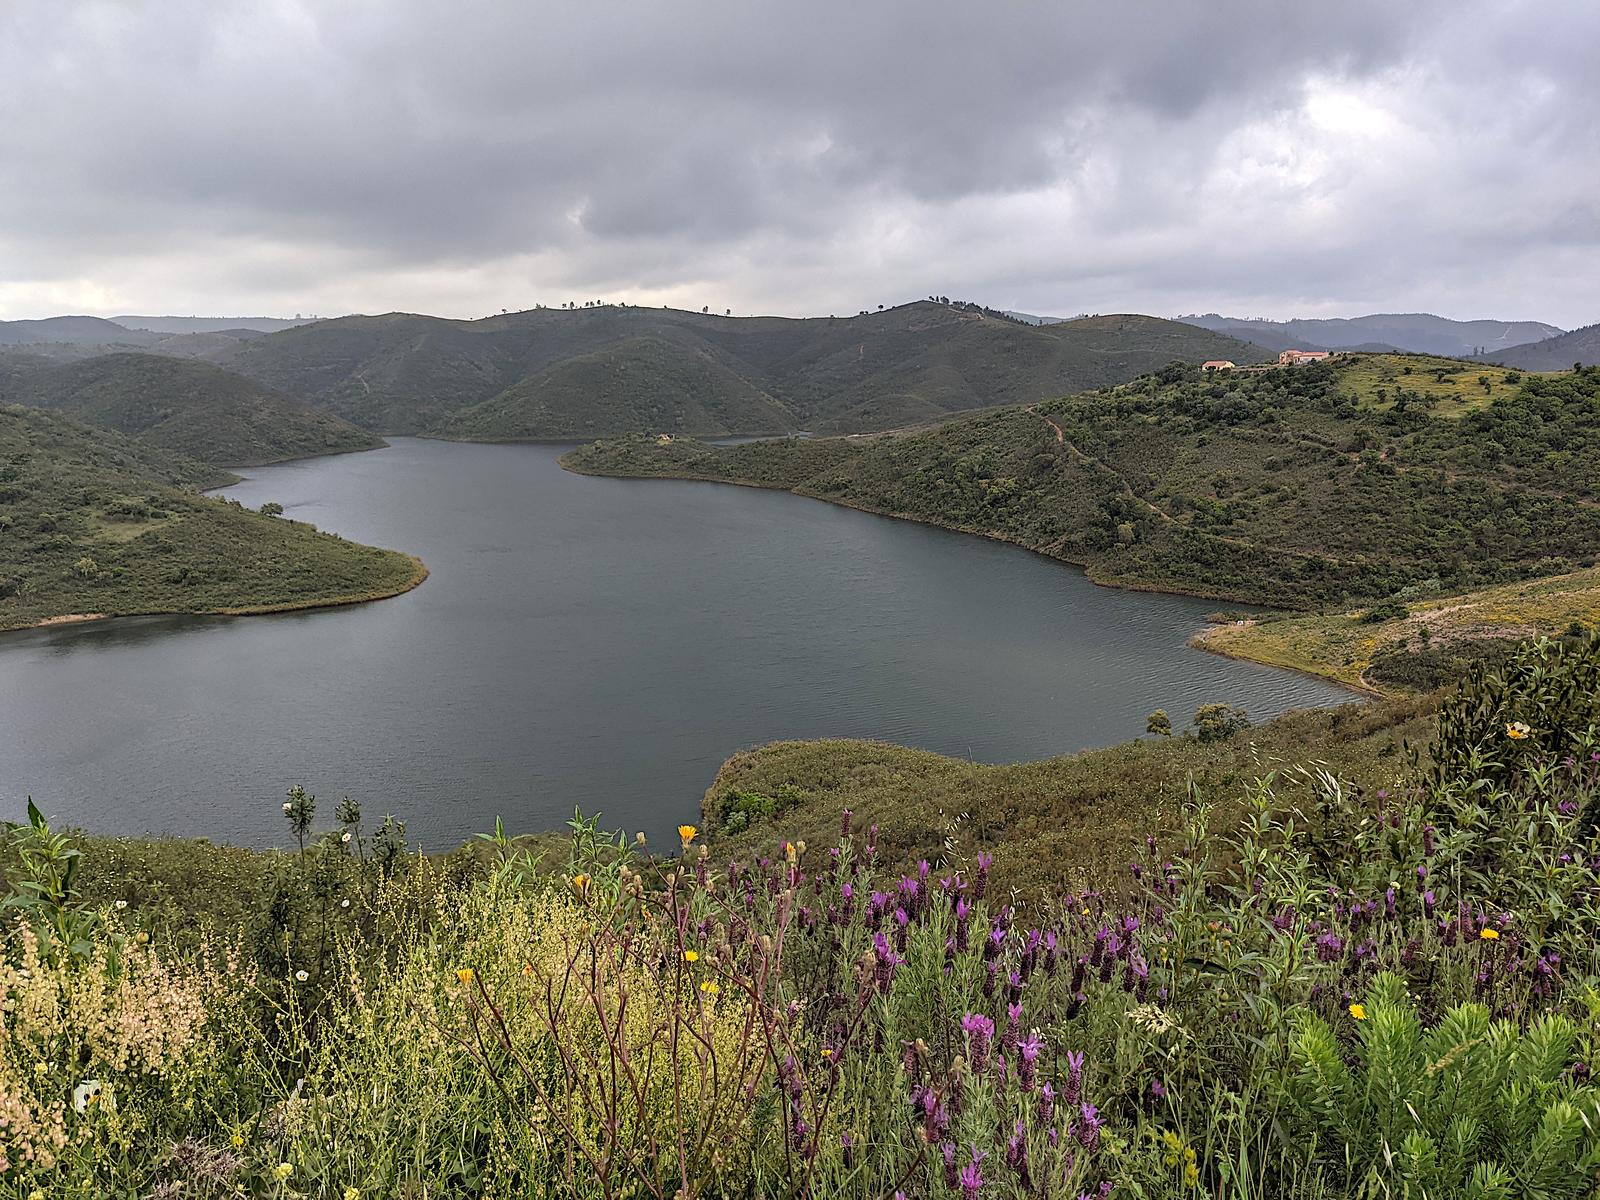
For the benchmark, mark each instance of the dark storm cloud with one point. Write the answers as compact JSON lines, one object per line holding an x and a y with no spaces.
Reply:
{"x":798,"y":158}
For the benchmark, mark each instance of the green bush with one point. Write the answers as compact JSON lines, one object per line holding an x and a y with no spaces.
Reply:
{"x":1471,"y":1107}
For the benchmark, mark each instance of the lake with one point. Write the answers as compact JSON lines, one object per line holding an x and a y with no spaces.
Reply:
{"x":597,"y":643}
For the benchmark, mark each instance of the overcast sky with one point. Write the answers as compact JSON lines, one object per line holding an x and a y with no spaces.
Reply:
{"x":1267,"y":158}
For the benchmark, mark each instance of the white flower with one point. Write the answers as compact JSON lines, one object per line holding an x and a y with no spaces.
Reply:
{"x":84,"y":1094}
{"x":344,"y":904}
{"x":287,"y":806}
{"x":302,"y":976}
{"x":121,"y":904}
{"x":345,"y":836}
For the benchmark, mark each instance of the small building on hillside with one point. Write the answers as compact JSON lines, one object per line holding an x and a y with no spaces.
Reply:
{"x":1293,"y":358}
{"x":1217,"y":364}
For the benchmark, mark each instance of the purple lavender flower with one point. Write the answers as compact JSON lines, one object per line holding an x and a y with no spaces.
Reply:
{"x":886,"y":962}
{"x":972,"y":1176}
{"x":1089,"y":1127}
{"x":980,"y":885}
{"x":1029,"y":1048}
{"x":847,"y":1146}
{"x":980,"y":1036}
{"x":1017,"y":1155}
{"x":1330,"y":947}
{"x":1008,"y":1040}
{"x":844,"y":823}
{"x":947,"y":1152}
{"x":1428,"y":901}
{"x":994,"y":942}
{"x":1047,"y":1102}
{"x":1051,"y":952}
{"x":963,"y":934}
{"x":1072,"y":1090}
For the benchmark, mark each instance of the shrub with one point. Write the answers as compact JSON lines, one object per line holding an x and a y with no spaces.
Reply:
{"x":1391,"y":610}
{"x":1214,"y":722}
{"x":1471,"y":1107}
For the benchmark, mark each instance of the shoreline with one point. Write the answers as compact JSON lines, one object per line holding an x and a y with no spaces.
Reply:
{"x":1202,"y":641}
{"x":419,"y":575}
{"x":1197,"y":639}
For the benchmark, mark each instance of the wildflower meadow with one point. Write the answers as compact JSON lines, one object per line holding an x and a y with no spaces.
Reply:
{"x":1375,"y":994}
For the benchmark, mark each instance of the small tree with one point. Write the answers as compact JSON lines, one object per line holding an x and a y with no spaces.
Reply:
{"x":1217,"y":722}
{"x":272,"y":509}
{"x":1158,"y":723}
{"x":86,"y":567}
{"x":298,"y":810}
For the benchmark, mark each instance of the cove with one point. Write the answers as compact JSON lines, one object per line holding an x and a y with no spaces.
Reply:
{"x":588,"y":642}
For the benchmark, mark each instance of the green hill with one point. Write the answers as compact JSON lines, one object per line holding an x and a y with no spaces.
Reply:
{"x":76,"y":331}
{"x":652,"y":370}
{"x":182,"y":405}
{"x":1299,"y":486}
{"x":641,"y":383}
{"x":1554,"y":354}
{"x":94,"y":523}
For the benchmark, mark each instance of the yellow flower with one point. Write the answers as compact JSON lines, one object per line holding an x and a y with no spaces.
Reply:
{"x":527,"y":968}
{"x":710,"y":988}
{"x":580,"y":884}
{"x":1490,"y":935}
{"x":791,"y":853}
{"x":1358,"y":1011}
{"x":1517,"y":730}
{"x":352,"y":1193}
{"x":686,"y":834}
{"x":691,"y":956}
{"x":237,"y":1140}
{"x":464,"y":974}
{"x":282,"y":1172}
{"x":827,"y":1052}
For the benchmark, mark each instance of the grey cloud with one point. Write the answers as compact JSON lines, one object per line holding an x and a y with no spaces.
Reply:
{"x":796,"y":158}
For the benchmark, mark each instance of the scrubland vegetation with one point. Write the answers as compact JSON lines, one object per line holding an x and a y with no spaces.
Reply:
{"x":180,"y":405}
{"x":1292,"y":989}
{"x":1300,"y":488}
{"x":92,"y":522}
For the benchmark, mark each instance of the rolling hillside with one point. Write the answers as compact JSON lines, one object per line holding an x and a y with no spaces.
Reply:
{"x":1286,"y":487}
{"x":1417,"y":333}
{"x":79,"y":331}
{"x":640,"y":383}
{"x":93,"y":523}
{"x":525,"y":375}
{"x":181,"y":405}
{"x":1556,"y":354}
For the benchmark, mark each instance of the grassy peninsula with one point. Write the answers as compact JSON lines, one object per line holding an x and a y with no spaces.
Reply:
{"x":1359,"y":479}
{"x":96,"y":524}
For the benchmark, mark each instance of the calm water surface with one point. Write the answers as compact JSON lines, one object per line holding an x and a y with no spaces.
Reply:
{"x":594,"y":642}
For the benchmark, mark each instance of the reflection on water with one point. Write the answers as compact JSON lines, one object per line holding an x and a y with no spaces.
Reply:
{"x":594,"y":642}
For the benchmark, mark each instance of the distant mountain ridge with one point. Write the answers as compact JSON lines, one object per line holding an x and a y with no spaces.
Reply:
{"x":1553,"y":354}
{"x":581,"y":373}
{"x":71,"y":330}
{"x":171,"y":325}
{"x":1419,"y":333}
